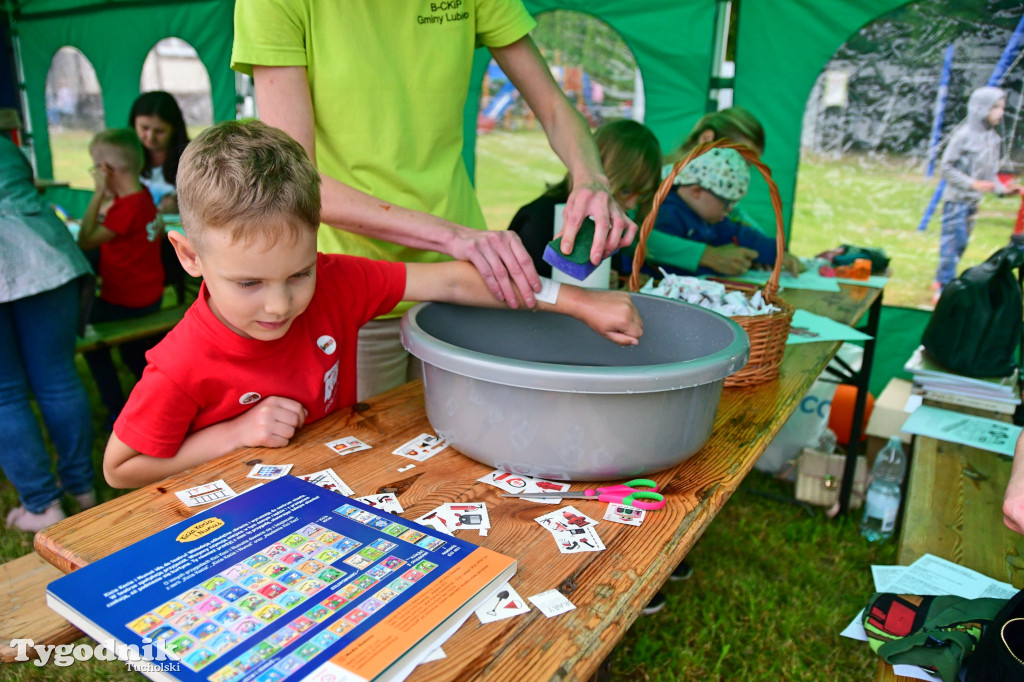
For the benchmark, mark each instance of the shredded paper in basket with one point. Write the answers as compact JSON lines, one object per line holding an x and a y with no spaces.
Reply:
{"x":710,"y":295}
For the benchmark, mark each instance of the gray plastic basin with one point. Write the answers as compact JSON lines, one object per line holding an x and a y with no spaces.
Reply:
{"x":542,"y":394}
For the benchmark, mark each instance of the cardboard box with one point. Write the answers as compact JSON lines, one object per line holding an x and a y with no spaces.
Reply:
{"x":888,"y":416}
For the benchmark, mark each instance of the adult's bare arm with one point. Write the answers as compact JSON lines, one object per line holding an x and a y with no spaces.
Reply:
{"x":570,"y":138}
{"x":284,"y":101}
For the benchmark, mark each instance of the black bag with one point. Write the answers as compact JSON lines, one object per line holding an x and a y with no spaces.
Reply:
{"x":999,"y":654}
{"x":976,"y":326}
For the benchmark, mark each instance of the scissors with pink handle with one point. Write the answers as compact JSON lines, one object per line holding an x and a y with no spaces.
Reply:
{"x":627,"y":494}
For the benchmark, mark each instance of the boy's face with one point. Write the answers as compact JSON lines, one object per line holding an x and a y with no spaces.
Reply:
{"x":711,"y":208}
{"x":105,"y":162}
{"x":995,"y":114}
{"x":257,"y":290}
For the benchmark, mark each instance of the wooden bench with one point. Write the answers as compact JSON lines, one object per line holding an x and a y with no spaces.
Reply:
{"x":110,"y":334}
{"x":25,"y":614}
{"x":954,"y":510}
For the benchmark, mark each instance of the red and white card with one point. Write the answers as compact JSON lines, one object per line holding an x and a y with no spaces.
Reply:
{"x":504,"y":604}
{"x":422,"y":447}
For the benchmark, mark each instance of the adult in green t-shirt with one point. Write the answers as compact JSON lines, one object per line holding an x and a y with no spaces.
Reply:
{"x":375,"y":92}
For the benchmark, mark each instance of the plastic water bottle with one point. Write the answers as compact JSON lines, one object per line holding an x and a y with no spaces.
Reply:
{"x":882,"y":501}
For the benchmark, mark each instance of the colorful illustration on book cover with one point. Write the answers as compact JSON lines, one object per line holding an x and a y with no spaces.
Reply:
{"x":314,"y":584}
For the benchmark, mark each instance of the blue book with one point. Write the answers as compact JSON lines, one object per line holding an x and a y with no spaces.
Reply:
{"x":285,"y":581}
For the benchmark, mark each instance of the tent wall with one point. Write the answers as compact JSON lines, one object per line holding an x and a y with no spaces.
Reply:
{"x":671,"y":41}
{"x":781,"y":47}
{"x":116,"y":39}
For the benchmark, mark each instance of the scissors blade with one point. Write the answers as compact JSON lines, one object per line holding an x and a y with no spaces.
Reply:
{"x":528,"y":496}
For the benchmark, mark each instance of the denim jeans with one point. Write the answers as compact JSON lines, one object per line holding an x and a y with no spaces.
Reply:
{"x":133,"y":354}
{"x":957,"y":225}
{"x":37,"y":355}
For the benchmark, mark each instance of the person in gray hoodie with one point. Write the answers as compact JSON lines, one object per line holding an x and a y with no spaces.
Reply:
{"x":969,"y":167}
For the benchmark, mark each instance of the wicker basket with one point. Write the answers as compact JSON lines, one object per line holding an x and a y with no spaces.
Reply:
{"x":768,"y":333}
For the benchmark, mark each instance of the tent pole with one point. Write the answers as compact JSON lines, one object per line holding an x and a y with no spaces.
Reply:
{"x":940,"y":106}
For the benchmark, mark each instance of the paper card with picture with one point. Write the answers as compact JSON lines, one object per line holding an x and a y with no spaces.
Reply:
{"x":328,"y":480}
{"x":439,"y":519}
{"x":623,"y":513}
{"x":347,"y":445}
{"x":565,"y":518}
{"x":505,"y":604}
{"x":422,"y":447}
{"x":468,"y":516}
{"x":268,"y":472}
{"x":385,"y":501}
{"x":577,"y":540}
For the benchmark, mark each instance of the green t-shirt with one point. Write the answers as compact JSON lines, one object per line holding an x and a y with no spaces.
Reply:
{"x":388,"y":83}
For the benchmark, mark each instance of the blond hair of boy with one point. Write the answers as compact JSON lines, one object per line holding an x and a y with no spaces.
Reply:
{"x":117,"y":158}
{"x":249,"y":198}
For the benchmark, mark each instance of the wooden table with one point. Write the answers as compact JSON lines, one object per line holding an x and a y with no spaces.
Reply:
{"x":609,"y":588}
{"x":954,"y":510}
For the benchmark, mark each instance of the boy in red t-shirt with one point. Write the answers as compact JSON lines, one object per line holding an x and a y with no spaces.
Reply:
{"x":131,"y":273}
{"x":270,"y":344}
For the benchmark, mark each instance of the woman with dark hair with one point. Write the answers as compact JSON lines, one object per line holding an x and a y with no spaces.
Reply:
{"x":156,"y":118}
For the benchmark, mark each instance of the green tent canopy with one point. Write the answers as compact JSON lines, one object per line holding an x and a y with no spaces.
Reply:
{"x":782,"y":45}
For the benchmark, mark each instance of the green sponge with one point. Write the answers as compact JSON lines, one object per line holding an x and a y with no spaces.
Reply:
{"x":577,"y":264}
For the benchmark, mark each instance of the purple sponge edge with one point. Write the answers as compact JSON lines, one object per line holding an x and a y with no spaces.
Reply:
{"x":579,"y":271}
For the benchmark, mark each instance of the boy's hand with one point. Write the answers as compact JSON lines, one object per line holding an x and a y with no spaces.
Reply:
{"x":168,"y":203}
{"x":271,"y":423}
{"x":609,"y":313}
{"x":792,"y":264}
{"x":101,"y":176}
{"x":728,"y":259}
{"x":983,"y":186}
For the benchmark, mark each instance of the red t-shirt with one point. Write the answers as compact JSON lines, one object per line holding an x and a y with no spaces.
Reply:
{"x":130,"y":266}
{"x":203,"y":373}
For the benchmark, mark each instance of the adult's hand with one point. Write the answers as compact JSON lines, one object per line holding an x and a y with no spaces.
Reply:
{"x":728,"y":259}
{"x":570,"y":138}
{"x":612,"y":227}
{"x":502,"y":261}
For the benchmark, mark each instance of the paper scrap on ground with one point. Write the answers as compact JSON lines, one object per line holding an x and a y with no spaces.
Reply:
{"x":552,"y":603}
{"x":268,"y":472}
{"x":618,"y":513}
{"x":505,"y":604}
{"x":522,"y":484}
{"x":578,"y":540}
{"x":808,"y":328}
{"x":565,"y":518}
{"x":422,"y":447}
{"x":347,"y":445}
{"x":402,"y":470}
{"x":385,"y":502}
{"x":218,"y":491}
{"x":965,"y":429}
{"x":328,"y":480}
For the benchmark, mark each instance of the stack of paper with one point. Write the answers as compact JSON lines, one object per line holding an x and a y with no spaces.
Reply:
{"x":935,"y":382}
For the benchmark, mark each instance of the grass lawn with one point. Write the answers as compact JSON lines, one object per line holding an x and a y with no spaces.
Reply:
{"x":773,"y":584}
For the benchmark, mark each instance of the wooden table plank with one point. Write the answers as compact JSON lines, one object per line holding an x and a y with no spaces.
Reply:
{"x":609,"y":588}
